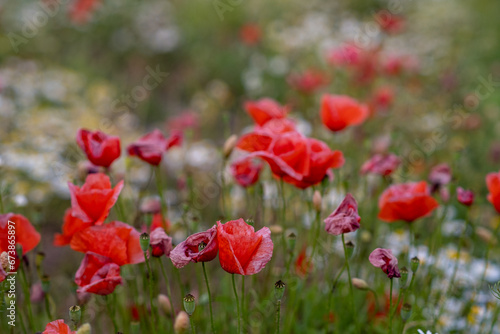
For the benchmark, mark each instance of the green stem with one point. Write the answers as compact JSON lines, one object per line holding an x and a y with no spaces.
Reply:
{"x":191,"y":324}
{"x":47,"y":306}
{"x":159,"y":186}
{"x":334,"y":285}
{"x":237,"y":304}
{"x":26,"y":291}
{"x":351,"y":290}
{"x":222,"y":188}
{"x":150,"y":284}
{"x":390,"y":309}
{"x":317,"y":227}
{"x":111,"y":313}
{"x":243,"y":298}
{"x":1,"y":201}
{"x":278,"y":310}
{"x":209,"y":297}
{"x":169,"y":294}
{"x":494,"y":319}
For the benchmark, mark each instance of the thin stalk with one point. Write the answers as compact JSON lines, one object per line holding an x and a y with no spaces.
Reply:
{"x":150,"y":284}
{"x":243,"y":296}
{"x":159,"y":186}
{"x":1,"y":202}
{"x":169,"y":294}
{"x":237,"y":305}
{"x":47,"y":306}
{"x":26,"y":291}
{"x":222,"y":187}
{"x":21,"y":320}
{"x":191,"y":324}
{"x":494,"y":319}
{"x":334,"y":285}
{"x":111,"y":313}
{"x":209,"y":297}
{"x":278,"y":311}
{"x":317,"y":228}
{"x":351,"y":290}
{"x":390,"y":308}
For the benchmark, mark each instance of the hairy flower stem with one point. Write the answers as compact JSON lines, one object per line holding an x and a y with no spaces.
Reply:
{"x":390,"y":309}
{"x":26,"y":291}
{"x":278,"y":310}
{"x":334,"y":285}
{"x":169,"y":293}
{"x":237,"y":304}
{"x":317,"y":227}
{"x":163,"y":205}
{"x":47,"y":306}
{"x":150,"y":284}
{"x":351,"y":290}
{"x":209,"y":297}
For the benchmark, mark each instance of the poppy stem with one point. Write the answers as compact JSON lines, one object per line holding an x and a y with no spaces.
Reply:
{"x":243,"y":297}
{"x":47,"y":306}
{"x":222,"y":187}
{"x":169,"y":294}
{"x":237,"y":304}
{"x":26,"y":291}
{"x":150,"y":284}
{"x":111,"y":312}
{"x":351,"y":290}
{"x":209,"y":297}
{"x":390,"y":309}
{"x":159,"y":186}
{"x":278,"y":311}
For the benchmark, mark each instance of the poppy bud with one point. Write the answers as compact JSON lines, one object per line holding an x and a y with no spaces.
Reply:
{"x":75,"y":314}
{"x":189,"y":304}
{"x":291,"y":241}
{"x":404,"y":277}
{"x":229,"y":145}
{"x":349,"y":248}
{"x":45,"y":284}
{"x":84,"y":329}
{"x":317,"y":201}
{"x":359,"y":284}
{"x":485,"y":234}
{"x":39,"y":259}
{"x":164,"y":303}
{"x":4,"y":261}
{"x":406,"y":312}
{"x":276,"y":229}
{"x":136,"y":327}
{"x":181,"y":324}
{"x":415,"y":262}
{"x":144,"y":241}
{"x":279,"y":289}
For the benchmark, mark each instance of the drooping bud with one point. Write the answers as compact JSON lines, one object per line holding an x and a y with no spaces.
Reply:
{"x":189,"y":304}
{"x":404,"y":277}
{"x":45,"y":284}
{"x":75,"y":314}
{"x":84,"y":329}
{"x":279,"y":289}
{"x":349,"y":248}
{"x":406,"y":312}
{"x":360,"y":284}
{"x":164,"y":303}
{"x":415,"y":262}
{"x":317,"y":201}
{"x":144,"y":241}
{"x":485,"y":235}
{"x":229,"y":145}
{"x":181,"y":324}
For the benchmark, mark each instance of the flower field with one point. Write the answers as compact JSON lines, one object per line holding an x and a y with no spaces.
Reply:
{"x":220,"y":166}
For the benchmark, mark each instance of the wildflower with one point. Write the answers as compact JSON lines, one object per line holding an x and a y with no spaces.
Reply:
{"x":264,"y":110}
{"x":151,"y":146}
{"x":345,"y":218}
{"x":383,"y":259}
{"x":57,"y":327}
{"x":493,"y":184}
{"x":340,"y":111}
{"x":25,"y":233}
{"x":465,"y":197}
{"x":199,"y":247}
{"x":100,"y":148}
{"x":381,"y":164}
{"x":70,"y":226}
{"x":160,"y":242}
{"x":246,"y":171}
{"x":97,"y":274}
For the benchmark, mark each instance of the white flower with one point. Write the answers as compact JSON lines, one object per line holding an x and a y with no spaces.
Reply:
{"x":422,"y":332}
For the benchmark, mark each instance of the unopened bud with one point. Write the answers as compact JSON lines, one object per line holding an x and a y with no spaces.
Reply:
{"x":276,"y":229}
{"x":317,"y":201}
{"x":415,"y":262}
{"x":349,"y":248}
{"x":144,"y":241}
{"x":189,"y":304}
{"x":360,"y":284}
{"x":75,"y":314}
{"x":181,"y":324}
{"x":84,"y":329}
{"x":229,"y":145}
{"x":39,"y":259}
{"x":45,"y":284}
{"x":404,"y":277}
{"x":292,"y":238}
{"x":485,"y":235}
{"x":4,"y":262}
{"x":164,"y":303}
{"x":406,"y":312}
{"x":279,"y":289}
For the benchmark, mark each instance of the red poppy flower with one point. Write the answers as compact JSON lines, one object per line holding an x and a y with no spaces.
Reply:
{"x":465,"y":197}
{"x":186,"y":120}
{"x":81,"y":10}
{"x":116,"y":240}
{"x":382,"y":99}
{"x":346,"y":55}
{"x":406,"y":201}
{"x":340,"y":111}
{"x":303,"y":263}
{"x":242,"y":250}
{"x":264,"y":110}
{"x":97,"y":274}
{"x":158,"y":222}
{"x":390,"y":23}
{"x":309,"y":81}
{"x":246,"y":171}
{"x":381,"y":164}
{"x":394,"y":65}
{"x":25,"y":233}
{"x":100,"y":148}
{"x":57,"y":327}
{"x":277,"y":126}
{"x":93,"y":201}
{"x":250,"y":34}
{"x":190,"y":250}
{"x":151,"y":146}
{"x":493,"y":184}
{"x":345,"y":218}
{"x":383,"y":259}
{"x":160,"y":242}
{"x":70,"y":227}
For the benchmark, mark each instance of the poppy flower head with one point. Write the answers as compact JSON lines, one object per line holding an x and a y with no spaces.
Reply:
{"x":71,"y":225}
{"x":440,"y":175}
{"x":116,"y":240}
{"x":406,"y":201}
{"x":345,"y":218}
{"x":25,"y":233}
{"x":57,"y":327}
{"x":346,"y":55}
{"x":383,"y":259}
{"x":340,"y":111}
{"x":160,"y":242}
{"x":493,"y":184}
{"x":250,"y":34}
{"x":390,"y":23}
{"x":199,"y":247}
{"x":264,"y":110}
{"x":381,"y":164}
{"x":97,"y":274}
{"x":101,"y":149}
{"x":93,"y":201}
{"x":242,"y":250}
{"x":151,"y":146}
{"x":246,"y":171}
{"x":303,"y":263}
{"x":465,"y":197}
{"x":308,"y":82}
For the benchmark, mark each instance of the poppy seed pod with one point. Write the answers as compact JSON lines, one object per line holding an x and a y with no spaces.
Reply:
{"x":75,"y":314}
{"x":279,"y":289}
{"x":415,"y":262}
{"x":349,"y":248}
{"x":189,"y":304}
{"x":144,"y":240}
{"x":404,"y":277}
{"x":45,"y":284}
{"x":406,"y":312}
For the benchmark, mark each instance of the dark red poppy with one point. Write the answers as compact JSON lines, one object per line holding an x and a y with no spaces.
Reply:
{"x":93,"y":201}
{"x":100,"y":148}
{"x":465,"y":197}
{"x":57,"y":327}
{"x":81,"y":11}
{"x":383,"y":259}
{"x":116,"y":240}
{"x":406,"y":201}
{"x":264,"y":110}
{"x":25,"y":234}
{"x":71,"y":225}
{"x":381,"y":164}
{"x":242,"y":250}
{"x":160,"y":242}
{"x":97,"y":274}
{"x":308,"y":81}
{"x":151,"y":146}
{"x":340,"y":111}
{"x":199,"y":247}
{"x":345,"y":218}
{"x":493,"y":184}
{"x":390,"y":23}
{"x":246,"y":171}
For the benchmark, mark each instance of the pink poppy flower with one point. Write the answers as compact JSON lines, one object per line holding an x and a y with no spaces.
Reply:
{"x":160,"y":242}
{"x":345,"y":218}
{"x":151,"y":146}
{"x":465,"y":197}
{"x":199,"y":247}
{"x":440,"y":175}
{"x":383,"y":259}
{"x":381,"y":164}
